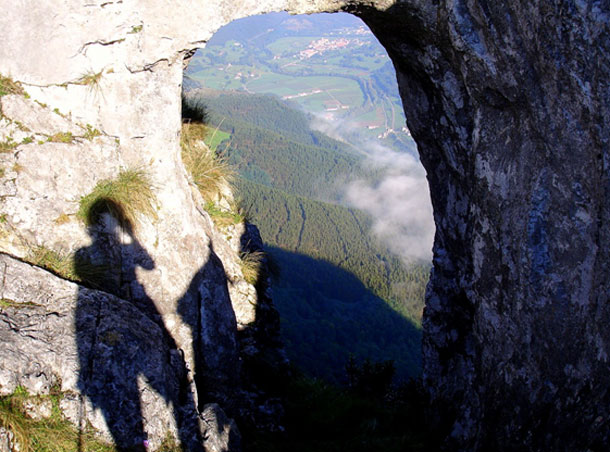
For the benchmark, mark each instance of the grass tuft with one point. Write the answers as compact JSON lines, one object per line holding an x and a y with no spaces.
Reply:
{"x":61,"y":137}
{"x":244,"y":210}
{"x":169,"y":444}
{"x":68,"y":266}
{"x":193,"y":132}
{"x":128,"y":196}
{"x":8,"y":145}
{"x":8,"y":86}
{"x":7,"y":303}
{"x":12,"y":419}
{"x":91,"y":132}
{"x":21,"y":126}
{"x":62,"y":219}
{"x":194,"y":110}
{"x":252,"y":265}
{"x":54,"y":434}
{"x":208,"y":171}
{"x":222,"y":217}
{"x":59,"y":263}
{"x":93,"y":81}
{"x":135,"y":29}
{"x":90,"y":78}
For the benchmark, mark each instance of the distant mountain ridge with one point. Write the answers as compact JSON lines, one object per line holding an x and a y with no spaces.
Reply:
{"x":253,"y":28}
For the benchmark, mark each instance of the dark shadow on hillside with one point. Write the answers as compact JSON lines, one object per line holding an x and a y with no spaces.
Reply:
{"x":328,"y":314}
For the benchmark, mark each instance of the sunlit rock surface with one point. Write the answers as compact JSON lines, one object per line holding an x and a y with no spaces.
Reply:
{"x":508,"y":104}
{"x":162,"y":328}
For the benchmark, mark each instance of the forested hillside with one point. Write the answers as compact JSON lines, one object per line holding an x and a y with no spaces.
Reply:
{"x":328,"y":315}
{"x":340,"y":292}
{"x":265,"y":112}
{"x":338,"y":235}
{"x":272,"y":144}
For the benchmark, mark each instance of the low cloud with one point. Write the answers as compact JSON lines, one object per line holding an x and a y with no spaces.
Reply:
{"x":336,"y":128}
{"x":398,"y":201}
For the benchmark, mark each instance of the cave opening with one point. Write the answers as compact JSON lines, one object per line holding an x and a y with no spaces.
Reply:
{"x":306,"y":111}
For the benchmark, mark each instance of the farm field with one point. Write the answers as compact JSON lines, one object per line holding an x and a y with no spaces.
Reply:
{"x":337,"y":72}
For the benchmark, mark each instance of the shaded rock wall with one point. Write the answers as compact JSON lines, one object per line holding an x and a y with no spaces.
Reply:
{"x":118,"y":370}
{"x":508,"y":104}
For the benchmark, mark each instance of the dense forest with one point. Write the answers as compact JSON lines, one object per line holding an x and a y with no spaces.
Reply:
{"x":333,"y":289}
{"x":272,"y":144}
{"x":264,"y":112}
{"x":340,"y":291}
{"x":340,"y":236}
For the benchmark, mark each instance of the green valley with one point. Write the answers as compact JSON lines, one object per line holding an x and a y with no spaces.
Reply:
{"x":332,"y":67}
{"x":340,"y":291}
{"x":295,"y":105}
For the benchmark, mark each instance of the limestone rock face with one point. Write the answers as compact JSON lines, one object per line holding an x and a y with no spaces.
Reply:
{"x":7,"y":443}
{"x":172,"y":292}
{"x":508,"y":103}
{"x":119,"y":370}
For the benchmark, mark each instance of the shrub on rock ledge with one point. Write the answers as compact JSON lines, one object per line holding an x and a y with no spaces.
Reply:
{"x":128,"y":196}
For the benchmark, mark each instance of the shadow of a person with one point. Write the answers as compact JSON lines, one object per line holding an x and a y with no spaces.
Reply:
{"x":206,"y":307}
{"x":121,"y":339}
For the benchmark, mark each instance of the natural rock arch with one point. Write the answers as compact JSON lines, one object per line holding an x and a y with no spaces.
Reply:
{"x":508,"y":105}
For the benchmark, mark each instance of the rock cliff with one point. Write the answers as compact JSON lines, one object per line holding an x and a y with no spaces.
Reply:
{"x":508,"y":103}
{"x":137,"y":352}
{"x":119,"y":370}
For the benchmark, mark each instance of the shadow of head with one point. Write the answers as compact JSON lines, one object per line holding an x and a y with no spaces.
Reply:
{"x":107,"y":217}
